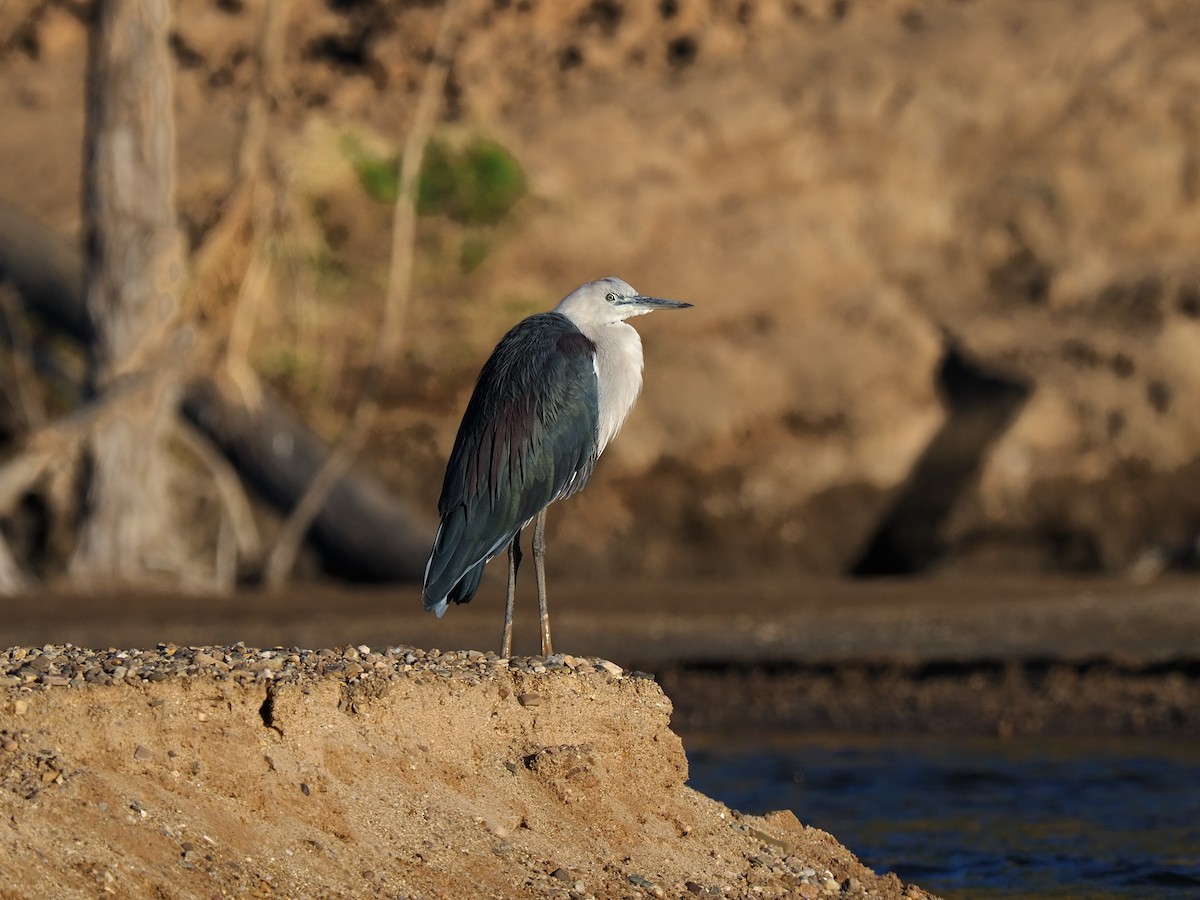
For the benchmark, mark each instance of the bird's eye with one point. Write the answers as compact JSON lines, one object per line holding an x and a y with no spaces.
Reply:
{"x":611,"y":298}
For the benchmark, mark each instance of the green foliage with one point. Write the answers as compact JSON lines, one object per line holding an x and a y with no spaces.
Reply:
{"x":496,"y":180}
{"x":474,"y":252}
{"x":476,"y":184}
{"x":280,"y":362}
{"x":378,"y":175}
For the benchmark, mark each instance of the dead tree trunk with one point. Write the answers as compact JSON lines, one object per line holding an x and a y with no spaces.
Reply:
{"x":134,"y":272}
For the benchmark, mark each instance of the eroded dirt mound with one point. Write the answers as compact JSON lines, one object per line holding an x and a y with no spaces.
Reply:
{"x":184,"y":771}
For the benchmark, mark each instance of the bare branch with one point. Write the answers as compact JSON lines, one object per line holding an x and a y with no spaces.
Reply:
{"x":64,"y":435}
{"x":387,"y":347}
{"x":19,"y":474}
{"x":23,"y":362}
{"x":251,"y":205}
{"x":236,"y":505}
{"x":12,"y":579}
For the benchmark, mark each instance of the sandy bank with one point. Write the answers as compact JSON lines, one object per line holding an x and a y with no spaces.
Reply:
{"x":182,"y":772}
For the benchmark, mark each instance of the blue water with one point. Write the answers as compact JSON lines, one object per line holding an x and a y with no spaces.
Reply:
{"x":1104,"y":818}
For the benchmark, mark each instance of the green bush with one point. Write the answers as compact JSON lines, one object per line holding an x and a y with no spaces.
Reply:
{"x":474,"y":251}
{"x":476,"y":184}
{"x":378,"y":175}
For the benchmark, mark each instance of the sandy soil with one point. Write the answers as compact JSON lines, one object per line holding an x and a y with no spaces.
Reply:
{"x":351,"y":774}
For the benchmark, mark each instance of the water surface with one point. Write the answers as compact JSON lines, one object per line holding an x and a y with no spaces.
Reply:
{"x":1104,"y":818}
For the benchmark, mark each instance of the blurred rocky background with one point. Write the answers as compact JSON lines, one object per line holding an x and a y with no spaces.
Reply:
{"x":943,"y":255}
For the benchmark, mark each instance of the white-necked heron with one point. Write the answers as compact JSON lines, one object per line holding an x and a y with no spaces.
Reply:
{"x":552,"y":395}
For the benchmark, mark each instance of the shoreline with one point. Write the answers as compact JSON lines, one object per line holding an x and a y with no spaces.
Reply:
{"x":1052,"y":657}
{"x":1100,"y":697}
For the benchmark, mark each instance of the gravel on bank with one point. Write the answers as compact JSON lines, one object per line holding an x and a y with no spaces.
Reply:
{"x":65,"y":665}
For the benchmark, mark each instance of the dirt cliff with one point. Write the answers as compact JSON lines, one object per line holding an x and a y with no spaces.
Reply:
{"x":286,"y":773}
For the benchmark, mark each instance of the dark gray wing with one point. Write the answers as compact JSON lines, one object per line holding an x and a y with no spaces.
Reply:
{"x":528,"y":438}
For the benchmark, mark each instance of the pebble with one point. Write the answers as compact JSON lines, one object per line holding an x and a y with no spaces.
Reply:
{"x":646,"y":885}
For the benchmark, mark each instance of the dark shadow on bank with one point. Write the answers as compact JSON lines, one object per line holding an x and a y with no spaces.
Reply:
{"x":980,"y":406}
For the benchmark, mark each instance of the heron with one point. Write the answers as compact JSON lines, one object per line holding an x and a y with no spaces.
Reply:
{"x":550,"y":398}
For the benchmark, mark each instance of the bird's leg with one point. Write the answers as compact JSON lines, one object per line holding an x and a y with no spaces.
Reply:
{"x":539,"y":567}
{"x":514,"y":563}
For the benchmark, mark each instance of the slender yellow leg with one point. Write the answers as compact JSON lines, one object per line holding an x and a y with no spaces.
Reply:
{"x":514,"y":557}
{"x":539,"y":565}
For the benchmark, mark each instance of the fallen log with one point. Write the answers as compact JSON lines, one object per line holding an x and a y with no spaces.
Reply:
{"x":45,"y":270}
{"x":363,"y":533}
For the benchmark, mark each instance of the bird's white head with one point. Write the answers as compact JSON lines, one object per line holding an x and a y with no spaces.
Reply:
{"x":607,"y":301}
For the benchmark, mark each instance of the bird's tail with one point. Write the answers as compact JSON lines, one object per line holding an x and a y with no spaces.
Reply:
{"x":448,"y":577}
{"x":437,"y":599}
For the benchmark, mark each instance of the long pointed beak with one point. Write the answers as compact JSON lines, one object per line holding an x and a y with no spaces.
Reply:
{"x":649,"y":304}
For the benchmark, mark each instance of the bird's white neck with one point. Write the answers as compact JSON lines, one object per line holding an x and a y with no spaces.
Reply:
{"x":618,"y":374}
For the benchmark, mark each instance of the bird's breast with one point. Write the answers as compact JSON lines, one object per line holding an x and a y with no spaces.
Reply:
{"x":618,"y":364}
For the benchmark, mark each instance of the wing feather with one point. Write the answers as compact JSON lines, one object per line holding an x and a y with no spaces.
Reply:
{"x":528,"y":438}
